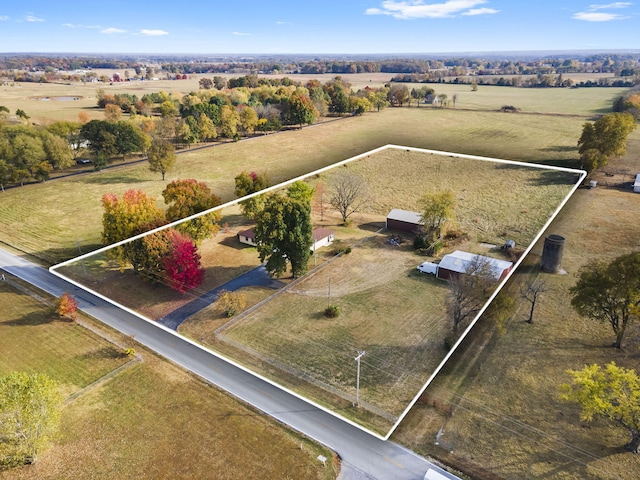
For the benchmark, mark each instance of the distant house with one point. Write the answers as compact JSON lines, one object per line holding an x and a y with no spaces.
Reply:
{"x":458,"y":263}
{"x":322,"y":237}
{"x":404,"y":220}
{"x":636,"y":184}
{"x":247,"y":237}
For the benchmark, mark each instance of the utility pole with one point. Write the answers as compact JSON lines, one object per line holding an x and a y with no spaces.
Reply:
{"x":357,"y":359}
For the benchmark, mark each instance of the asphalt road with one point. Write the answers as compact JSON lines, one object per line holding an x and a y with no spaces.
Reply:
{"x":363,"y":455}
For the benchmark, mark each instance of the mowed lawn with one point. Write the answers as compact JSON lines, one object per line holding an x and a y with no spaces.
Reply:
{"x":151,"y":420}
{"x":508,"y":420}
{"x":34,"y":339}
{"x":55,"y":220}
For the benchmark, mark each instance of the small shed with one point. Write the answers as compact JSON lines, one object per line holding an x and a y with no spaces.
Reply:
{"x":636,"y":184}
{"x":458,"y":263}
{"x":248,"y":237}
{"x":322,"y":237}
{"x":404,"y":220}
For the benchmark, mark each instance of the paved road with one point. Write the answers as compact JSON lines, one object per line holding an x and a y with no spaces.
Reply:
{"x":363,"y":456}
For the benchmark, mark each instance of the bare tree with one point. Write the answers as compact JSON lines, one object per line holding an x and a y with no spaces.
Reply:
{"x":469,"y":291}
{"x":348,"y":194}
{"x":530,"y":291}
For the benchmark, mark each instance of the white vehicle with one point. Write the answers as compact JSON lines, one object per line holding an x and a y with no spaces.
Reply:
{"x":428,"y":267}
{"x":435,"y":475}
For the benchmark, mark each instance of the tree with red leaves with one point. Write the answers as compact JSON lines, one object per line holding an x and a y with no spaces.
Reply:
{"x":67,"y":306}
{"x":182,"y":264}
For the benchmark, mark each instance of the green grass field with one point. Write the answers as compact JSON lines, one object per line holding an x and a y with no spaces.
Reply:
{"x":34,"y":339}
{"x":49,"y":220}
{"x":388,"y":309}
{"x":517,"y":379}
{"x":508,"y":421}
{"x":151,"y":420}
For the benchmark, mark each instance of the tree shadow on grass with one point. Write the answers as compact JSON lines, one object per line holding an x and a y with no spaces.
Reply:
{"x":108,"y":180}
{"x":104,"y":353}
{"x":33,"y":319}
{"x":560,"y":149}
{"x":554,"y":177}
{"x":371,"y":226}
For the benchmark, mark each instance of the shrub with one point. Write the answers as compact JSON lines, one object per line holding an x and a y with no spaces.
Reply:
{"x":231,"y":303}
{"x":332,"y":311}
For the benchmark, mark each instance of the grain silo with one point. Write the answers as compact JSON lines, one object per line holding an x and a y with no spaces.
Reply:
{"x":552,"y":253}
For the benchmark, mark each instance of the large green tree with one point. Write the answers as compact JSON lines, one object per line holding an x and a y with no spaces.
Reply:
{"x":106,"y":139}
{"x":161,"y":156}
{"x":248,"y":183}
{"x":301,"y":109}
{"x":611,"y":392}
{"x":189,"y":197}
{"x":30,"y":406}
{"x":609,"y":292}
{"x":284,"y":233}
{"x":604,"y":138}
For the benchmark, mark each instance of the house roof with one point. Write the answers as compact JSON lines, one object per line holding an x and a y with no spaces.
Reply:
{"x":321,"y":233}
{"x":318,"y":233}
{"x":249,"y":233}
{"x":459,"y":261}
{"x":405,"y":216}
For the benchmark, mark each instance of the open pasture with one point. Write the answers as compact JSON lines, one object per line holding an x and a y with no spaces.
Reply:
{"x":51,"y":221}
{"x":387,"y":309}
{"x":142,"y":421}
{"x":35,"y":340}
{"x":508,"y":420}
{"x":587,"y":102}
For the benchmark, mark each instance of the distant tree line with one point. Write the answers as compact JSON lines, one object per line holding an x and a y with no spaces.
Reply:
{"x":622,"y":65}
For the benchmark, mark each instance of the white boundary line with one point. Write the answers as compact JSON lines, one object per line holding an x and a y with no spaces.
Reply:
{"x":582,"y":176}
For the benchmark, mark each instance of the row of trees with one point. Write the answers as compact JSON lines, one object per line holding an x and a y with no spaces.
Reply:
{"x":169,"y":256}
{"x":28,"y":152}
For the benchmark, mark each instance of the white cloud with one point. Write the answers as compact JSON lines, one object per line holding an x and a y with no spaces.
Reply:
{"x":153,"y":33}
{"x":480,"y":11}
{"x":280,"y":22}
{"x":79,"y":25}
{"x":610,"y":6}
{"x":112,"y":30}
{"x":3,"y":18}
{"x":33,"y":18}
{"x":418,"y":9}
{"x":595,"y":15}
{"x":241,"y":33}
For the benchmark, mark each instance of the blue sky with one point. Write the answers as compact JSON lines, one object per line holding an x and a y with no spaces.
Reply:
{"x":330,"y":26}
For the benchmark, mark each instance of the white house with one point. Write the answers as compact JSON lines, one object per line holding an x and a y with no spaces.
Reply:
{"x":247,"y":237}
{"x":636,"y":184}
{"x":322,"y":237}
